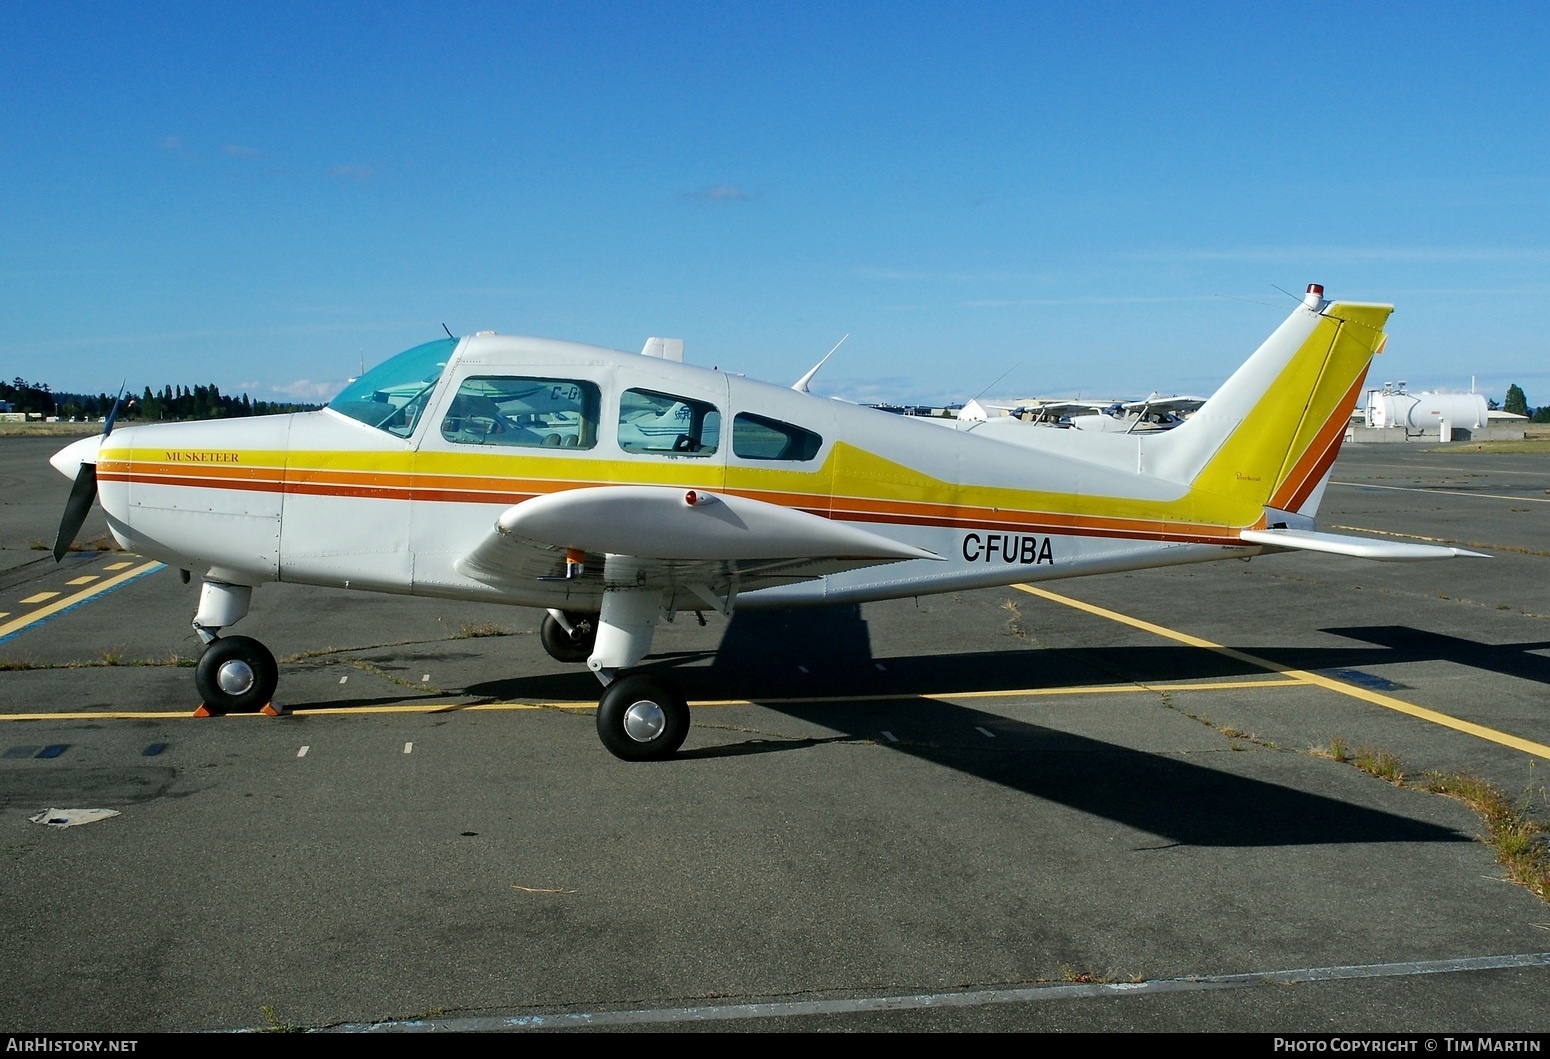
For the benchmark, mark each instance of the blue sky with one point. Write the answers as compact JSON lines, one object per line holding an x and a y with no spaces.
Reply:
{"x":1034,"y":199}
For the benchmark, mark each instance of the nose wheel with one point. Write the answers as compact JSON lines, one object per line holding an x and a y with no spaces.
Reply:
{"x":236,"y":674}
{"x":642,"y":718}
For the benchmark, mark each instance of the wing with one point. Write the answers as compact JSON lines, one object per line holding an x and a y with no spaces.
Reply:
{"x":682,"y":538}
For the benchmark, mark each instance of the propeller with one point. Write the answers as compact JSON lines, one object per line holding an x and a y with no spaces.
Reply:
{"x":84,"y":491}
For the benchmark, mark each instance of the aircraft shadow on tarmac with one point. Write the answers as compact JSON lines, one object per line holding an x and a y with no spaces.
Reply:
{"x":1401,"y":643}
{"x":1181,"y":802}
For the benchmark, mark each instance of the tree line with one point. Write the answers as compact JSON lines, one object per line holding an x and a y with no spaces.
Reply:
{"x":1517,"y":403}
{"x":172,"y":402}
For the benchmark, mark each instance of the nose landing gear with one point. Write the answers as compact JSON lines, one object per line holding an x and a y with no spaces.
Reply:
{"x":236,"y":674}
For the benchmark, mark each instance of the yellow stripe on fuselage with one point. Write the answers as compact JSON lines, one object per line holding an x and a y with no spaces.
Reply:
{"x":851,"y":484}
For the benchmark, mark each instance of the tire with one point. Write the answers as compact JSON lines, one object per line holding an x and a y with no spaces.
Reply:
{"x":236,"y":674}
{"x":642,"y":718}
{"x":561,"y":645}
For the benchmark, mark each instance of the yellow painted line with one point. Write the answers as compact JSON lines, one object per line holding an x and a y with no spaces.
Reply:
{"x":88,"y":579}
{"x":1439,"y":489}
{"x":338,"y":711}
{"x":117,"y":566}
{"x":1010,"y":693}
{"x":69,"y":601}
{"x":1388,"y":702}
{"x":495,"y":707}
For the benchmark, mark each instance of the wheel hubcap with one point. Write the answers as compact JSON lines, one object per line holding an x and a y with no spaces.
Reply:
{"x":644,"y":721}
{"x":235,"y":677}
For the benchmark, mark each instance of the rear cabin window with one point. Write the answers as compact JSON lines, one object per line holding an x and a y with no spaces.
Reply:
{"x":757,"y":438}
{"x":666,"y":424}
{"x":522,"y":412}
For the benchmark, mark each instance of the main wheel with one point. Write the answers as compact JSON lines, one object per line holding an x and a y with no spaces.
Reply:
{"x":642,"y":718}
{"x":569,"y":647}
{"x":236,"y":674}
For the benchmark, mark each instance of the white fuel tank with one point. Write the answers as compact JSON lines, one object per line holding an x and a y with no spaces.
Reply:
{"x":1421,"y":411}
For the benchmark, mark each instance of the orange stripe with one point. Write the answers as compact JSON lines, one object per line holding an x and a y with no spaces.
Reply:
{"x":470,"y":489}
{"x":1295,"y":489}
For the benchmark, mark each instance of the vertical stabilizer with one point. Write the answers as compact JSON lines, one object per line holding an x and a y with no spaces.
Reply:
{"x":1268,"y":437}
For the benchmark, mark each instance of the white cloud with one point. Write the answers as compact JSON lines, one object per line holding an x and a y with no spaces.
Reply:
{"x":305,"y":391}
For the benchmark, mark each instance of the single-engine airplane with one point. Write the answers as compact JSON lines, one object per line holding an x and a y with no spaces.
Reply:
{"x":614,"y":490}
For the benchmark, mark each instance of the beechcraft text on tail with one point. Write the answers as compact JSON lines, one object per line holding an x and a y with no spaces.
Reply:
{"x":614,"y":490}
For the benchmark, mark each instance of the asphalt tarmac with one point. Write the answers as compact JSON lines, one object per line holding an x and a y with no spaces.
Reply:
{"x":1108,"y":805}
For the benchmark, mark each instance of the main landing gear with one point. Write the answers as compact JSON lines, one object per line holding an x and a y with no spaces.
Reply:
{"x":640,"y":717}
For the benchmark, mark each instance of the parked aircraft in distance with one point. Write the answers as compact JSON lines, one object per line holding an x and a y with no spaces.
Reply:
{"x":615,"y":490}
{"x":1157,"y":412}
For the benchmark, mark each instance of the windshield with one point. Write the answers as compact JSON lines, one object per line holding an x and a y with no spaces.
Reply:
{"x":391,"y":396}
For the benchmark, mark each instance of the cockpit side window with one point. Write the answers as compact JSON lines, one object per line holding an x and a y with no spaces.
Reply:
{"x":758,"y":438}
{"x":667,"y":424}
{"x":391,"y":396}
{"x":519,"y":412}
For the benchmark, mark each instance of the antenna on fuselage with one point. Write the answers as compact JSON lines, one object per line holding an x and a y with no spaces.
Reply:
{"x":448,"y":330}
{"x":1003,"y":375}
{"x":800,"y":386}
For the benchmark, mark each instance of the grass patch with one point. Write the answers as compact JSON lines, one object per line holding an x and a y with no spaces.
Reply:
{"x":1522,"y":844}
{"x":1380,"y":763}
{"x":1076,"y":977}
{"x":377,"y":671}
{"x":275,"y":1023}
{"x":106,"y":657}
{"x":1015,"y":621}
{"x":1508,"y":824}
{"x":1528,"y":444}
{"x":471,"y":630}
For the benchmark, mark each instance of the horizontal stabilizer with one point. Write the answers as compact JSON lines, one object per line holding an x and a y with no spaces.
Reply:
{"x":1359,"y":547}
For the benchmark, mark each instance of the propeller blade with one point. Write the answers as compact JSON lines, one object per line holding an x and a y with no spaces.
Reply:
{"x":113,"y":412}
{"x":82,"y":493}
